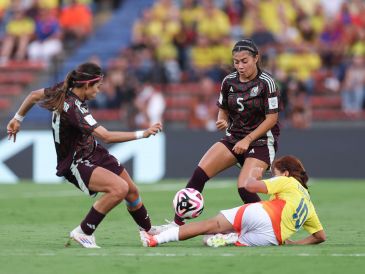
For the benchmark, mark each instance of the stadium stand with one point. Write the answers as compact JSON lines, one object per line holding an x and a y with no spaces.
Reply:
{"x":306,"y":46}
{"x":14,"y":78}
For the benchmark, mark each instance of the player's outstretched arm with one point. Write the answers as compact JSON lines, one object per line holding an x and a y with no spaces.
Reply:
{"x":119,"y":136}
{"x":253,"y":182}
{"x":13,"y":126}
{"x":315,"y":238}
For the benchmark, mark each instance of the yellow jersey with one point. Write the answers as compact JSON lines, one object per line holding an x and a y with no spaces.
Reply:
{"x":290,"y":208}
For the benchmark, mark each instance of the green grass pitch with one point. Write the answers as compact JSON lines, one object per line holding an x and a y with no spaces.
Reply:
{"x":36,"y":219}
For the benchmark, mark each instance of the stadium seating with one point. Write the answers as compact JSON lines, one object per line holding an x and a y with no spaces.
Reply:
{"x":14,"y":79}
{"x":325,"y":106}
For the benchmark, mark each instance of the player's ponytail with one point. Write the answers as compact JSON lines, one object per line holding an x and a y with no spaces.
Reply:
{"x":84,"y":75}
{"x":54,"y":101}
{"x":295,"y":168}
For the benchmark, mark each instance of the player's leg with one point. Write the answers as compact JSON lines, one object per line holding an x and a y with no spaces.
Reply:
{"x":134,"y":203}
{"x":258,"y":156}
{"x":100,"y":180}
{"x":115,"y":189}
{"x":217,"y":224}
{"x":246,"y":196}
{"x":214,"y":161}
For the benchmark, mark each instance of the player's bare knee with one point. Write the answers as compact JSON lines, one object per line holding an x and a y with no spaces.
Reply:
{"x":120,"y":191}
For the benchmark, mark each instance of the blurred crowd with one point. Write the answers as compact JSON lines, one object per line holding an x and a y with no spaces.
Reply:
{"x":309,"y":46}
{"x":40,"y":30}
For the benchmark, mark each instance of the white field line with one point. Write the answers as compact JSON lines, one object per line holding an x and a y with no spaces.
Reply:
{"x":223,"y":254}
{"x":75,"y":192}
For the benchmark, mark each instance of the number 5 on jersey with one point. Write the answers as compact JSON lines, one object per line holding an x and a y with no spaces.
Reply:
{"x":241,"y":106}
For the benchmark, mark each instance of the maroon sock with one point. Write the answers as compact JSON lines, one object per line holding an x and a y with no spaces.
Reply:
{"x":91,"y":221}
{"x":248,"y":197}
{"x":178,"y":220}
{"x":198,"y":180}
{"x":140,"y":216}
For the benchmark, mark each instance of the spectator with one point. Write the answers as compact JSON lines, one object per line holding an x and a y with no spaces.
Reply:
{"x":109,"y":97}
{"x":47,"y":43}
{"x":203,"y":110}
{"x":19,"y":31}
{"x":262,"y":36}
{"x":215,"y":29}
{"x":300,"y":110}
{"x":76,"y":22}
{"x":151,"y":105}
{"x":354,"y":87}
{"x":234,"y":11}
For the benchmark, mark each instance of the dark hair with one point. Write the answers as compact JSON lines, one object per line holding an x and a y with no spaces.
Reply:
{"x":84,"y":74}
{"x":294,"y":166}
{"x":246,"y":44}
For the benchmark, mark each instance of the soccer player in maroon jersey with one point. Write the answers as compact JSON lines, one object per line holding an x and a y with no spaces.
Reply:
{"x":80,"y":159}
{"x":248,"y":111}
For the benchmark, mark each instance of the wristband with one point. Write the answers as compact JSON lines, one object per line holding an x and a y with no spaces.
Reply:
{"x":139,"y":134}
{"x":18,"y":117}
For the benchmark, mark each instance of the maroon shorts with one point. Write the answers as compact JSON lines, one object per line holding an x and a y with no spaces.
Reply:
{"x":264,"y":153}
{"x":81,"y":169}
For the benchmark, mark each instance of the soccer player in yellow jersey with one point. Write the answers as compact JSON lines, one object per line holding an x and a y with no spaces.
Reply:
{"x":264,"y":223}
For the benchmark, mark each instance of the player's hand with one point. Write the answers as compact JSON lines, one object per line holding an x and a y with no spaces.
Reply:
{"x":289,"y":242}
{"x":221,"y":124}
{"x":152,"y":130}
{"x":13,"y":128}
{"x":256,"y":172}
{"x":241,"y":146}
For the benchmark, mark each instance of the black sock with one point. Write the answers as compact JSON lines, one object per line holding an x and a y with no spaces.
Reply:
{"x":248,"y":197}
{"x":140,"y":216}
{"x":197,"y":181}
{"x":91,"y":221}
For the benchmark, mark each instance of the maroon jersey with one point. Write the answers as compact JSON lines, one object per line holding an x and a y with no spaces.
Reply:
{"x":72,"y":131}
{"x":247,"y":104}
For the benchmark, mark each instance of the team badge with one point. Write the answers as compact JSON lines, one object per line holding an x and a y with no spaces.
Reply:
{"x":254,"y":91}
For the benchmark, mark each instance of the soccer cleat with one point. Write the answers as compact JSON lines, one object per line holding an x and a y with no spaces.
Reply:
{"x":147,"y":239}
{"x":87,"y":241}
{"x":153,"y":230}
{"x":161,"y":228}
{"x":218,"y":240}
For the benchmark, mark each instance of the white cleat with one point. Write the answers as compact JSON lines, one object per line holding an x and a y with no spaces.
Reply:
{"x":147,"y":240}
{"x":218,"y":240}
{"x":87,"y":241}
{"x":161,"y":228}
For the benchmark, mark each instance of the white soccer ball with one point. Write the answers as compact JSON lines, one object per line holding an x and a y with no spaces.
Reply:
{"x":188,"y":203}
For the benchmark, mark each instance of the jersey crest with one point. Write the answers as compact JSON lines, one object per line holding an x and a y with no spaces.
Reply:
{"x":254,"y":91}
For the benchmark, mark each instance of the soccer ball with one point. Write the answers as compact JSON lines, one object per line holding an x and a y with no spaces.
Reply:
{"x":188,"y":203}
